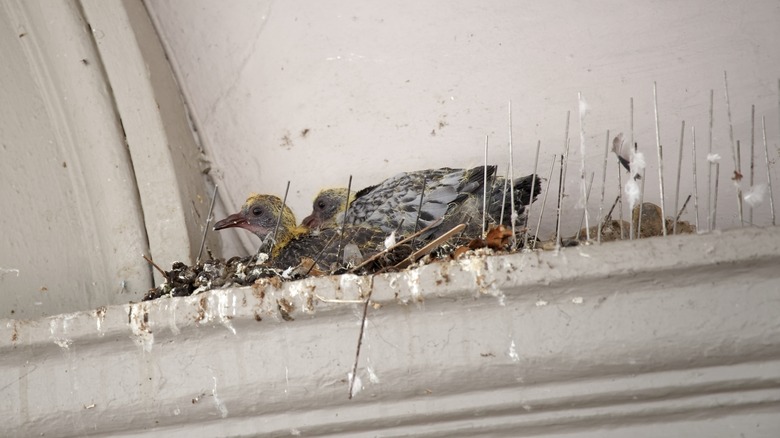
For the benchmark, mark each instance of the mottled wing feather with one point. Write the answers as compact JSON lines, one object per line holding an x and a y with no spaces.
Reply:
{"x":368,"y":240}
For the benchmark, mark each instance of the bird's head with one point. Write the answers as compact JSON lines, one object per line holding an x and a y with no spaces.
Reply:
{"x":326,"y":208}
{"x":259,"y":215}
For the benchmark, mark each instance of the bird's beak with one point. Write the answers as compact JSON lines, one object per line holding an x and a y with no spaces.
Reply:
{"x":310,"y":222}
{"x":234,"y":220}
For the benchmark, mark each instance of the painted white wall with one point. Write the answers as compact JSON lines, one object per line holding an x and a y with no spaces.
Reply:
{"x":98,"y":163}
{"x":383,"y":87}
{"x":72,"y":225}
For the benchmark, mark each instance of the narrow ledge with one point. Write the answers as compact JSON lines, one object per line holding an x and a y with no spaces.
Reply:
{"x":622,"y":335}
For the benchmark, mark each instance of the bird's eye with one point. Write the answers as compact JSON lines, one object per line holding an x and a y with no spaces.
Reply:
{"x":321,"y":205}
{"x":257,"y":211}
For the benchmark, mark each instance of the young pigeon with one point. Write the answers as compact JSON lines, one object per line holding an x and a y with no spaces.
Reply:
{"x":259,"y":215}
{"x":452,"y":194}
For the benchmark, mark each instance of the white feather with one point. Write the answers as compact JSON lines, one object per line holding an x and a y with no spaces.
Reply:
{"x":713,"y":158}
{"x":390,"y":240}
{"x":637,"y":163}
{"x":755,"y":195}
{"x":632,"y":193}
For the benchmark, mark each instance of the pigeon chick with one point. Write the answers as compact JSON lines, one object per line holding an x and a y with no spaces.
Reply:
{"x":452,"y":194}
{"x":393,"y":204}
{"x":259,"y":215}
{"x":328,"y":204}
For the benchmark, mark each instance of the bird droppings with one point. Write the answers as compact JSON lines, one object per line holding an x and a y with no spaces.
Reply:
{"x":7,"y":271}
{"x":577,"y":300}
{"x":541,"y":303}
{"x":100,"y":316}
{"x":513,"y":352}
{"x":372,"y":377}
{"x":217,"y":401}
{"x":285,"y":309}
{"x":58,"y":328}
{"x":357,"y":385}
{"x":413,"y":280}
{"x":139,"y":326}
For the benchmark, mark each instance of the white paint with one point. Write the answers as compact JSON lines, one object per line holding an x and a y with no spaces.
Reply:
{"x":142,"y":335}
{"x":413,"y":281}
{"x":513,"y":352}
{"x":218,"y":402}
{"x":226,"y":308}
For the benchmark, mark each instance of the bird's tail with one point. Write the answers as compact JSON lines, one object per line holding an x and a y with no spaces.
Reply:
{"x":499,"y":201}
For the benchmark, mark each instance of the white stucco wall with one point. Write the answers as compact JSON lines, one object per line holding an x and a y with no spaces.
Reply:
{"x":384,"y":87}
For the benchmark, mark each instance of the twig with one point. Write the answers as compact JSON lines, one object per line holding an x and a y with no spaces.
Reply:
{"x":660,"y":158}
{"x":164,"y":274}
{"x":435,"y":223}
{"x":363,"y":322}
{"x":768,"y":175}
{"x":695,"y":180}
{"x":322,"y":251}
{"x":679,"y":172}
{"x":527,"y":211}
{"x":603,"y":188}
{"x":208,"y":222}
{"x":677,"y":218}
{"x":544,"y":202}
{"x":425,"y":250}
{"x":337,"y":301}
{"x":609,"y":215}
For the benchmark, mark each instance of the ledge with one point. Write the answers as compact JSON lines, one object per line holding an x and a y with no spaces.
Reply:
{"x":680,"y":334}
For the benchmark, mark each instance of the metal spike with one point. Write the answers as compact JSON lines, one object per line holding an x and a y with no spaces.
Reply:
{"x":208,"y":222}
{"x":660,"y":158}
{"x":768,"y":174}
{"x":695,"y":180}
{"x":527,"y":211}
{"x":679,"y":172}
{"x":544,"y":201}
{"x":278,"y":221}
{"x":603,"y":188}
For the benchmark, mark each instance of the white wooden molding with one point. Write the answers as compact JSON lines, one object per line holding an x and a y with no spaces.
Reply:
{"x":162,"y":146}
{"x":72,"y":224}
{"x":674,"y":336}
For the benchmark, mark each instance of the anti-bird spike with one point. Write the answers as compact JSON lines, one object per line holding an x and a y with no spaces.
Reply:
{"x":544,"y":201}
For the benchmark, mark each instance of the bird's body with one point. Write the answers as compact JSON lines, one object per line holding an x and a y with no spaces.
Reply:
{"x":260,"y":214}
{"x":455,"y":195}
